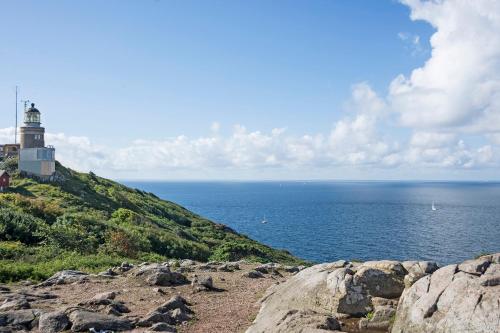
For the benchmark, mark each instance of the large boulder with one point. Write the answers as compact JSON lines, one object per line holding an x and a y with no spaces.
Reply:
{"x":417,"y":270}
{"x":310,"y":299}
{"x":53,"y":322}
{"x":83,"y":321}
{"x":20,"y":319}
{"x":456,"y":298}
{"x":64,"y":277}
{"x":160,"y":275}
{"x":381,"y":278}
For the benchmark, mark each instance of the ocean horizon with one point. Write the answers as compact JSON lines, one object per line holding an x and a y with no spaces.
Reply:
{"x":327,"y":220}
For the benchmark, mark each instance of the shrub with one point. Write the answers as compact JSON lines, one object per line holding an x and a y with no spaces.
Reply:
{"x":16,"y":226}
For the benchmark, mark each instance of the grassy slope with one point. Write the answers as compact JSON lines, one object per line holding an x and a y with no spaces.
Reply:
{"x":88,"y":222}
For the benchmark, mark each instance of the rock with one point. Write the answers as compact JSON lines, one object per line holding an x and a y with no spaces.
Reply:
{"x":64,"y":277}
{"x":381,"y":278}
{"x":455,"y":298}
{"x":108,"y":295}
{"x":202,"y":283}
{"x":108,"y":273}
{"x":253,"y":275}
{"x":417,"y":270}
{"x":291,"y":269}
{"x":295,"y":321}
{"x":207,"y":267}
{"x":229,"y":267}
{"x":83,"y":320}
{"x":20,"y":319}
{"x":155,"y":317}
{"x":158,"y":275}
{"x":347,"y":295}
{"x":312,"y":296}
{"x":15,"y":304}
{"x":179,"y":316}
{"x":380,"y":319}
{"x":176,"y":302}
{"x":53,"y":322}
{"x":162,"y":327}
{"x":187,"y":263}
{"x":476,"y":266}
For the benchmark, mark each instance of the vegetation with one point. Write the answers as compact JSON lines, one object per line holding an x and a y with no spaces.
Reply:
{"x":86,"y":222}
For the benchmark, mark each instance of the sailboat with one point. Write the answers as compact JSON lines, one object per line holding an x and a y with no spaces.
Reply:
{"x":264,"y":221}
{"x":433,"y":206}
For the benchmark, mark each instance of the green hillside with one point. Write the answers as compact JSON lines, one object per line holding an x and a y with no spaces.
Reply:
{"x":86,"y":222}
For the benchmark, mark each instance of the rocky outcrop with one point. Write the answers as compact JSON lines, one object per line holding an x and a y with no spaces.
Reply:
{"x":64,"y":277}
{"x":84,"y":320}
{"x":161,"y":275}
{"x":334,"y":290}
{"x":53,"y":322}
{"x":455,"y":298}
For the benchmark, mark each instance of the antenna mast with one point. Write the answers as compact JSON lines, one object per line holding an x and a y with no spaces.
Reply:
{"x":15,"y":129}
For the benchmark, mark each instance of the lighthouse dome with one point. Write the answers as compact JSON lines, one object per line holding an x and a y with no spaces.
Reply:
{"x":32,"y":116}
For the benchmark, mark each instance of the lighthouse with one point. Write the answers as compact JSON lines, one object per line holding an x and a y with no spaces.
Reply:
{"x":34,"y":158}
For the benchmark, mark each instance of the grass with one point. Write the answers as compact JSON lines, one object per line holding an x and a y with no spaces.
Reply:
{"x":86,"y":222}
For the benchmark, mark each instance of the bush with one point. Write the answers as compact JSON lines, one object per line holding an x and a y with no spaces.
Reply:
{"x":16,"y":226}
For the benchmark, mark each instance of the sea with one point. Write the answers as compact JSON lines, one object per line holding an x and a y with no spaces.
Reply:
{"x":324,"y":221}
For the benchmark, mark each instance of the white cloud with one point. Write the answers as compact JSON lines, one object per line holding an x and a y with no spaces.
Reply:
{"x":459,"y":85}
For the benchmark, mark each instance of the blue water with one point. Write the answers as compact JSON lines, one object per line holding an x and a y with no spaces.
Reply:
{"x":325,"y":221}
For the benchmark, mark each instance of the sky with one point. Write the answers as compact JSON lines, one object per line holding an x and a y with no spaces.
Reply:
{"x":259,"y":90}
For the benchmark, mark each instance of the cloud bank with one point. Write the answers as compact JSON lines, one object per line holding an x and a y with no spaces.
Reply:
{"x":448,"y":111}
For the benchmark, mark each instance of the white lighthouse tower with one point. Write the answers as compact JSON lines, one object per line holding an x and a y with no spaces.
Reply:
{"x":34,"y":158}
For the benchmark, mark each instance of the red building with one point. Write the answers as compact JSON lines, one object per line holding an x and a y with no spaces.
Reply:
{"x":4,"y":180}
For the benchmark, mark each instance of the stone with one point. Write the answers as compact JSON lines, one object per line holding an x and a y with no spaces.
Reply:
{"x":202,"y":283}
{"x":455,"y":298}
{"x":64,"y":277}
{"x":179,"y":315}
{"x":53,"y":322}
{"x":381,"y":278}
{"x":176,"y":302}
{"x":159,"y":275}
{"x":253,"y":275}
{"x":186,"y":263}
{"x":23,"y":319}
{"x":155,"y":317}
{"x":309,"y":298}
{"x":15,"y":304}
{"x":379,"y":320}
{"x":162,"y":327}
{"x":83,"y":321}
{"x":108,"y":295}
{"x":417,"y":270}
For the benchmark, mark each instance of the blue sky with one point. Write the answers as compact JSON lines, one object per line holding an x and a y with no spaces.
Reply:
{"x":110,"y":76}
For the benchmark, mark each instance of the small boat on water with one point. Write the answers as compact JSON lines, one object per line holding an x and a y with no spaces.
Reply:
{"x":264,"y":221}
{"x":433,"y":206}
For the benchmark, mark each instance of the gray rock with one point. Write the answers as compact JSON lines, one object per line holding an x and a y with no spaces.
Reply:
{"x":85,"y":320}
{"x":155,"y":317}
{"x":179,"y":316}
{"x":64,"y":277}
{"x":15,"y":304}
{"x":309,"y":298}
{"x":418,"y":270}
{"x":53,"y":322}
{"x":455,"y":298}
{"x":176,"y":302}
{"x":381,"y":278}
{"x":253,"y":275}
{"x":159,"y":275}
{"x":22,"y":319}
{"x":162,"y":327}
{"x":202,"y":283}
{"x":108,"y":295}
{"x":379,"y":320}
